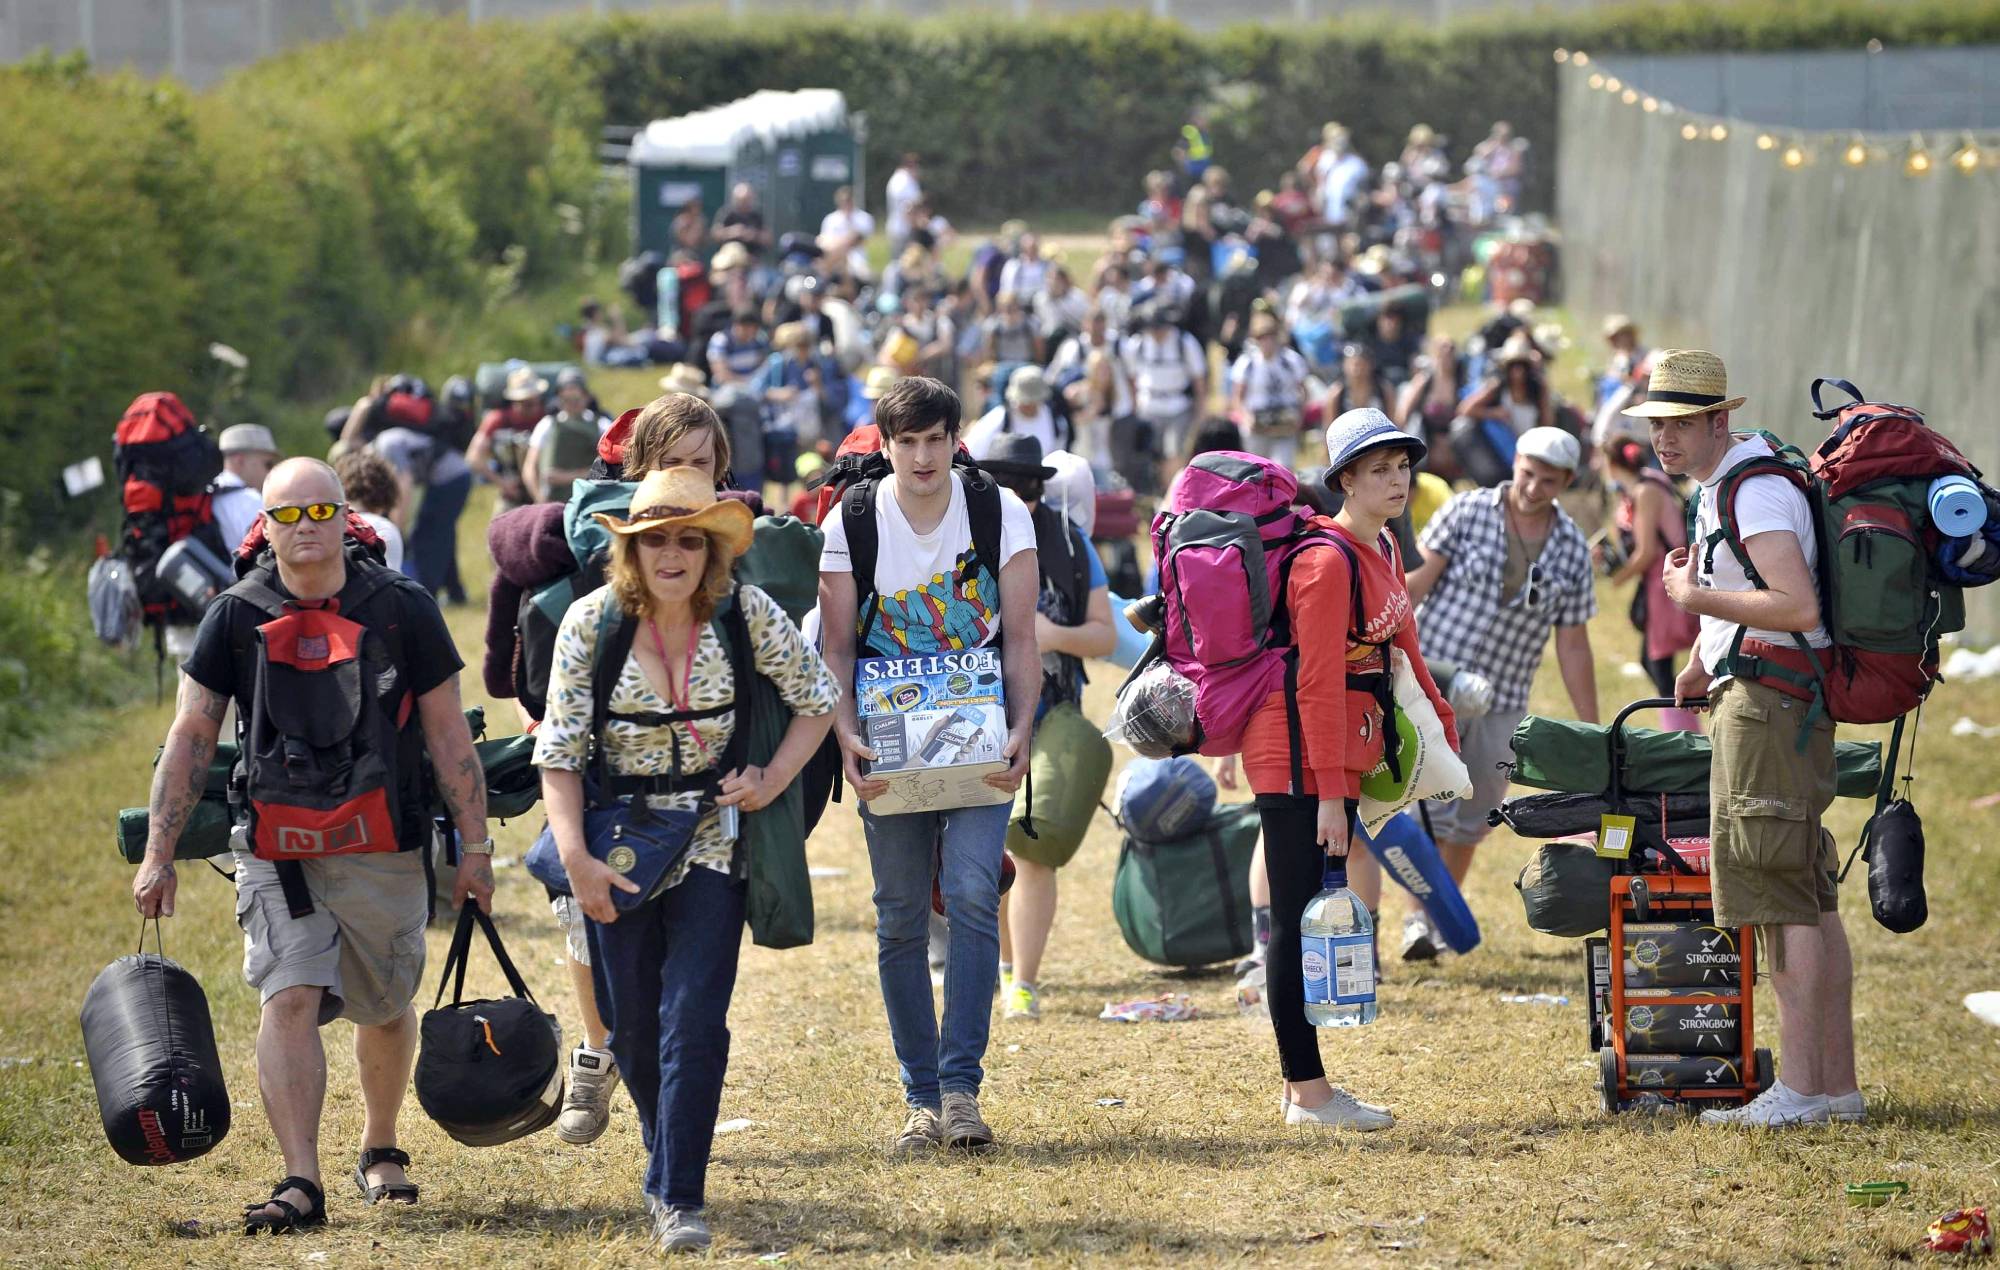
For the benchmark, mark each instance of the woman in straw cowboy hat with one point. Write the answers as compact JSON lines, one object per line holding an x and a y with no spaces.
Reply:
{"x":1518,"y":395}
{"x":664,"y":960}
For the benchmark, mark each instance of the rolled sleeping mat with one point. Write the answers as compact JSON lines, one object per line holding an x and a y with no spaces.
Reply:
{"x":1408,"y":855}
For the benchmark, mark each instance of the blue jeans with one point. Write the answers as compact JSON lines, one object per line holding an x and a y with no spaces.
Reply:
{"x":434,"y":537}
{"x":664,"y":973}
{"x":904,"y":852}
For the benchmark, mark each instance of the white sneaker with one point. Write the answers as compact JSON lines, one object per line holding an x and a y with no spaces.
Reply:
{"x":1847,"y":1108}
{"x":1778,"y":1107}
{"x":1024,"y":1000}
{"x":1342,"y":1111}
{"x":593,"y":1075}
{"x":681,"y":1230}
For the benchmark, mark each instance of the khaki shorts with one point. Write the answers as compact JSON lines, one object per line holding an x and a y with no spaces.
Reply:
{"x":1771,"y":863}
{"x":363,"y":942}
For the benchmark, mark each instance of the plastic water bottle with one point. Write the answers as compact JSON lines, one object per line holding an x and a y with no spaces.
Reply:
{"x":1337,"y":952}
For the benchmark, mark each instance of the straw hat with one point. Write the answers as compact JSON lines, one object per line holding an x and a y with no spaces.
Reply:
{"x":1618,"y":324}
{"x":1520,"y":347}
{"x":1332,"y":133}
{"x":1027,"y":386}
{"x":684,"y":497}
{"x":1685,"y":381}
{"x":730,"y":256}
{"x":525,"y":385}
{"x":1421,"y":135}
{"x":878,"y":381}
{"x":684,"y":378}
{"x":789,"y":334}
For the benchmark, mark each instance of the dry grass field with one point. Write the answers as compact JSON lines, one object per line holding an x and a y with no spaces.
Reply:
{"x":1501,"y":1154}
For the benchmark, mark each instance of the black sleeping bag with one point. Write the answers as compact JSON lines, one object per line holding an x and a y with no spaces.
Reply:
{"x":1560,"y":815}
{"x":152,"y":1055}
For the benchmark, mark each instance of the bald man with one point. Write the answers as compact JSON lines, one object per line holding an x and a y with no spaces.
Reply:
{"x":332,"y":893}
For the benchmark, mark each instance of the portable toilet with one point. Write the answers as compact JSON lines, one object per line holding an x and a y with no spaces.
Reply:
{"x":794,"y":148}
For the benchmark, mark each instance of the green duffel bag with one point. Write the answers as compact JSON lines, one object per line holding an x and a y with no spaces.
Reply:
{"x":1187,"y":902}
{"x":207,"y":830}
{"x":1576,"y":757}
{"x":1070,"y":764}
{"x":1566,"y":890}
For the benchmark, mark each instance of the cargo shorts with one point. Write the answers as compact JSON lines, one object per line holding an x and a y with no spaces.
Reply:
{"x":363,"y":942}
{"x":1772,"y":864}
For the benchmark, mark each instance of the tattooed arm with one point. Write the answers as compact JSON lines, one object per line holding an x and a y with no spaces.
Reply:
{"x":178,"y":779}
{"x":462,"y":782}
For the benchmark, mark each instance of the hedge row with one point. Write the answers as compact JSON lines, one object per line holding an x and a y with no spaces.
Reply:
{"x":1015,"y":118}
{"x":300,"y":212}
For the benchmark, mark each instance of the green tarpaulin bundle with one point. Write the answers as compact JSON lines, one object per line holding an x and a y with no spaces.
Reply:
{"x":1566,"y":755}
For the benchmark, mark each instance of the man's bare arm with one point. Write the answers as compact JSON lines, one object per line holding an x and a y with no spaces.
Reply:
{"x":182,"y":772}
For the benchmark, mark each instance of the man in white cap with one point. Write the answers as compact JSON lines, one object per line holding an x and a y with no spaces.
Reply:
{"x":1024,"y":411}
{"x":249,"y":452}
{"x":1771,"y":769}
{"x":1502,"y":567}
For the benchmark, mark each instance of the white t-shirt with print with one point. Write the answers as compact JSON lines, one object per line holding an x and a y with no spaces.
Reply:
{"x":920,"y":607}
{"x":1764,"y":504}
{"x":903,"y":191}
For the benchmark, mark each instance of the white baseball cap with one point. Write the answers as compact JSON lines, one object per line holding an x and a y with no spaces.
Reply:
{"x":1552,"y":446}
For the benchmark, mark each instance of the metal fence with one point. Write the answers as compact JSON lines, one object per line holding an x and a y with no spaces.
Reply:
{"x":1792,"y":252}
{"x":200,"y":40}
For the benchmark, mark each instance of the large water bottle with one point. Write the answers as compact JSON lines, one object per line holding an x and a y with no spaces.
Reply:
{"x":1337,"y":952}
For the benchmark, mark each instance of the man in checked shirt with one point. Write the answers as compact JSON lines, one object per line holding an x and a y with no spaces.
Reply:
{"x":1502,"y":567}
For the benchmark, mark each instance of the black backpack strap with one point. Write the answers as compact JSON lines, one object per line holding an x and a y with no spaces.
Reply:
{"x":734,"y":631}
{"x":616,"y":629}
{"x":983,"y":509}
{"x":864,"y":544}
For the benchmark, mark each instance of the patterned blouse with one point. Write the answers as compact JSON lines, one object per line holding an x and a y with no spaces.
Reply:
{"x":780,"y":654}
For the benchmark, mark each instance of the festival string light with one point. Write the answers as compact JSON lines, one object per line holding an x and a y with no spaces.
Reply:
{"x":1917,"y":157}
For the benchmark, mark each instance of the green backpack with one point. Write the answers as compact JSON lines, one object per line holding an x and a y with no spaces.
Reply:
{"x":1186,"y":902}
{"x":783,"y":563}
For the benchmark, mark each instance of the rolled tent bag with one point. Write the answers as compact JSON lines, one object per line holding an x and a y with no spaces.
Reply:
{"x":1559,"y":815}
{"x":1186,"y":901}
{"x":1409,"y":855}
{"x":151,"y":1046}
{"x":1895,"y":855}
{"x":1566,"y":755}
{"x":1566,"y":890}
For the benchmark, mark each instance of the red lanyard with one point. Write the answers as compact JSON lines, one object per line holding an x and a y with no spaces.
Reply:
{"x":680,"y":700}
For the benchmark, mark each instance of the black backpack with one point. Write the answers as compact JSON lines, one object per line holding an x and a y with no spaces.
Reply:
{"x":488,"y":1072}
{"x":858,"y":488}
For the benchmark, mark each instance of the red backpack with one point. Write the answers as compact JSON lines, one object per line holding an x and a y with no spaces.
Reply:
{"x":1882,"y":599}
{"x":166,"y":463}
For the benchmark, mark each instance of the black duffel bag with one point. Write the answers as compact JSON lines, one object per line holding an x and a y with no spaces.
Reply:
{"x":152,"y":1055}
{"x":1562,"y":815}
{"x":488,"y":1071}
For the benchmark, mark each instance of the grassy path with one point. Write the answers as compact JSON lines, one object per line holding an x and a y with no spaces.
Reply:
{"x":1501,"y":1154}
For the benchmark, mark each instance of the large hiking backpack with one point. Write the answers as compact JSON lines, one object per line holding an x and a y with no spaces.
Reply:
{"x":1186,"y":901}
{"x":1225,"y":546}
{"x":166,"y":464}
{"x":1881,"y":599}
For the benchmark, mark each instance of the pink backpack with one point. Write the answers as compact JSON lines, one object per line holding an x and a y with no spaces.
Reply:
{"x":1225,"y":546}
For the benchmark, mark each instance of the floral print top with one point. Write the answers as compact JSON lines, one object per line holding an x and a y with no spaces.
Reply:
{"x":780,"y":654}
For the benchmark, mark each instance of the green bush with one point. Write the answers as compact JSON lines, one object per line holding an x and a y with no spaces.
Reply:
{"x":302,"y":211}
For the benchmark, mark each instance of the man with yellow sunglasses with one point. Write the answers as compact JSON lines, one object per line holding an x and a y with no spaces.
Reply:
{"x":332,"y":884}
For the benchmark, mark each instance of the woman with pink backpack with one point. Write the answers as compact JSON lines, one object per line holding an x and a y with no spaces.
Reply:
{"x":1346,"y":607}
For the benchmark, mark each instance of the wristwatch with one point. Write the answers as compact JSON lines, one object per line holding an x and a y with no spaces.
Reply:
{"x":483,"y":847}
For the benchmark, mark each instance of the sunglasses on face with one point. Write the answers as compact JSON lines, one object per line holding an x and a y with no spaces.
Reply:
{"x":689,"y":543}
{"x":290,"y":513}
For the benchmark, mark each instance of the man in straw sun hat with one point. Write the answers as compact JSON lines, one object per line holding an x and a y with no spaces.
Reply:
{"x":1772,"y":864}
{"x":501,"y":442}
{"x":1502,"y":569}
{"x":685,"y":378}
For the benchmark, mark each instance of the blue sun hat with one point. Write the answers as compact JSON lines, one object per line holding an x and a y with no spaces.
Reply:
{"x":1357,"y":431}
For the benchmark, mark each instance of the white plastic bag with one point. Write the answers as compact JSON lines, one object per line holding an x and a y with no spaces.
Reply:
{"x":1154,"y":716}
{"x":1432,"y":770}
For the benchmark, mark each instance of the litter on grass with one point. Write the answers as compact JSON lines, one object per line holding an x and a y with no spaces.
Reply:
{"x":1985,"y":1006}
{"x":1966,"y":664}
{"x":1110,"y":1102}
{"x":1166,"y":1009}
{"x":1967,"y":727}
{"x":1540,"y":998}
{"x":733,"y":1126}
{"x":824,"y":871}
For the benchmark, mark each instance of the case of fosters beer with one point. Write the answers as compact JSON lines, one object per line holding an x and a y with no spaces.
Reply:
{"x":937,"y":725}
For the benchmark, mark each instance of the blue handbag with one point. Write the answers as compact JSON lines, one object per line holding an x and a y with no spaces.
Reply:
{"x":639,"y":841}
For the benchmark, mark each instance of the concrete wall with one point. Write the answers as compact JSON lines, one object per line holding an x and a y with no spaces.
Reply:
{"x":1866,"y":273}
